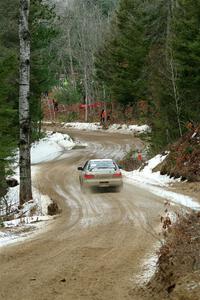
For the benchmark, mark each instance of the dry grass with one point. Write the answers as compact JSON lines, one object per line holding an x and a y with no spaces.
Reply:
{"x":178,"y":269}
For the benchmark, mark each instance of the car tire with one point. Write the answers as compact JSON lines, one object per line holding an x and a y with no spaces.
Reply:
{"x":83,"y":188}
{"x":118,"y":188}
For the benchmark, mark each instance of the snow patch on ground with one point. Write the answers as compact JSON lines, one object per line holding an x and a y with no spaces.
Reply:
{"x":148,"y":268}
{"x":24,"y":220}
{"x":83,"y":126}
{"x":23,"y":231}
{"x":122,"y":128}
{"x":147,"y":176}
{"x":156,"y":183}
{"x":129,"y":128}
{"x":50,"y":147}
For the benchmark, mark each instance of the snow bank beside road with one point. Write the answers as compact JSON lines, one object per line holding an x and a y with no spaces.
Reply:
{"x":24,"y":230}
{"x":155,"y":183}
{"x":122,"y":128}
{"x":129,"y":128}
{"x":50,"y":147}
{"x":147,"y":176}
{"x":83,"y":126}
{"x":38,"y":206}
{"x":32,"y":216}
{"x":46,"y":149}
{"x":36,"y":210}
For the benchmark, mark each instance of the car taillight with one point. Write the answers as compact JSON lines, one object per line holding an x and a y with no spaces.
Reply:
{"x":119,"y":174}
{"x":88,"y":176}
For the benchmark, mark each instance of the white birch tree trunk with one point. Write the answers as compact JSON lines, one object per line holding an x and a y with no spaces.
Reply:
{"x":71,"y":60}
{"x":24,"y":116}
{"x":84,"y":27}
{"x":86,"y":96}
{"x":171,"y":63}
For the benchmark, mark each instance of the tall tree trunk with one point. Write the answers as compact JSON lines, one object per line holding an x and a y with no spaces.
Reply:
{"x":24,"y":116}
{"x":71,"y":61}
{"x":86,"y":94}
{"x":171,"y":63}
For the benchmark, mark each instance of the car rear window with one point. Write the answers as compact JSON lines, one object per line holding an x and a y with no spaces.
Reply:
{"x":101,"y":164}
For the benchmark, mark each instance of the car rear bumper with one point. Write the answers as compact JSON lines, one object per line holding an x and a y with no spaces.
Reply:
{"x":114,"y":182}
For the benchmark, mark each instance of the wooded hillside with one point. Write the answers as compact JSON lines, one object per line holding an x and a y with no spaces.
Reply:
{"x":152,"y":53}
{"x":119,"y":51}
{"x":43,"y":70}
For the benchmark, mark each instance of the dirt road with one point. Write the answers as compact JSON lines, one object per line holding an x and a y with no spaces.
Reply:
{"x":95,"y":249}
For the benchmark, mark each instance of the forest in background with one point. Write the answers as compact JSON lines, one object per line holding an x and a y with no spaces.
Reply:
{"x":43,"y":30}
{"x":152,"y":53}
{"x":122,"y":51}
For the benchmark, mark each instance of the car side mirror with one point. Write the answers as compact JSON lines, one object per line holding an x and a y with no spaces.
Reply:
{"x":80,"y":168}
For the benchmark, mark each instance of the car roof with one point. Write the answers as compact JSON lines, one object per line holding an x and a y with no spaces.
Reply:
{"x":101,"y":159}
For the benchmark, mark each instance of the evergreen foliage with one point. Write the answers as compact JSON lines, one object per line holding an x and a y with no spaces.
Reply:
{"x":187,"y":52}
{"x":44,"y":66}
{"x":8,"y":83}
{"x":107,"y":6}
{"x":120,"y":63}
{"x":152,"y":53}
{"x":43,"y":69}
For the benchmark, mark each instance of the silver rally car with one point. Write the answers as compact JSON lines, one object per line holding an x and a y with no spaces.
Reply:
{"x":100,"y":173}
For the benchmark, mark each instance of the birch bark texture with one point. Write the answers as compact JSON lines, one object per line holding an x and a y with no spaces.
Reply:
{"x":25,"y":193}
{"x":171,"y":62}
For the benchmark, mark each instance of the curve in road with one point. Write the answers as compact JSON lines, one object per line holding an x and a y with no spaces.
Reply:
{"x":95,"y":248}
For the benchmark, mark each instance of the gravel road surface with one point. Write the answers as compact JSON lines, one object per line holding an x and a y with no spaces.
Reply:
{"x":95,"y":249}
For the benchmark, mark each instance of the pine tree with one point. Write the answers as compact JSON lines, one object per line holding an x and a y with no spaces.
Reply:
{"x":43,"y":71}
{"x":173,"y":68}
{"x":121,"y":62}
{"x":8,"y":85}
{"x":44,"y":59}
{"x":187,"y":54}
{"x":152,"y":52}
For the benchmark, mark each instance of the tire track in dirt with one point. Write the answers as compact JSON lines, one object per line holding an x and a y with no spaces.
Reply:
{"x":97,"y":242}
